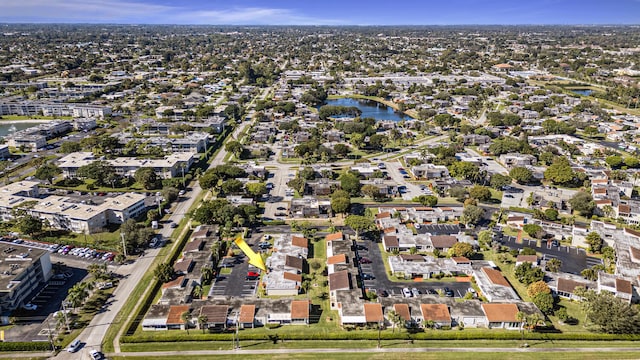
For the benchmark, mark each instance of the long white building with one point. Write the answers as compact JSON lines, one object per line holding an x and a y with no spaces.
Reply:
{"x":168,"y":167}
{"x":66,"y":213}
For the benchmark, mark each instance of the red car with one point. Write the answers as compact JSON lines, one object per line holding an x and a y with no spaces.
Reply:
{"x":252,"y":275}
{"x":365,"y":260}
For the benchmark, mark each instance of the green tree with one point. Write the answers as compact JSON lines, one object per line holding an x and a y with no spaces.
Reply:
{"x":554,"y":265}
{"x":583,"y":202}
{"x":146,"y":177}
{"x":350,"y":183}
{"x":461,"y":249}
{"x":610,"y":314}
{"x":551,"y":214}
{"x":371,"y":191}
{"x":29,"y":224}
{"x":426,"y":200}
{"x":69,"y":147}
{"x":614,"y":161}
{"x":533,"y":230}
{"x":340,"y":205}
{"x":186,"y":319}
{"x":359,"y":224}
{"x":465,"y":170}
{"x":481,"y":193}
{"x":594,"y":241}
{"x":560,"y":172}
{"x":202,"y":321}
{"x":631,"y":162}
{"x":472,"y":214}
{"x":164,"y":272}
{"x":527,"y":274}
{"x":498,"y":181}
{"x":544,"y":302}
{"x":234,"y":147}
{"x":256,"y":189}
{"x":47,"y":172}
{"x":521,"y":174}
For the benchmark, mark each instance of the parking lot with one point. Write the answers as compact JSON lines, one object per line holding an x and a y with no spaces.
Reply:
{"x":370,"y":250}
{"x":236,"y":282}
{"x":574,"y":259}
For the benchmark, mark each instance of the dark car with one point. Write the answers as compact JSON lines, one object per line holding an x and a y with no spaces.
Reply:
{"x":432,"y":292}
{"x":448,"y":292}
{"x":555,"y":243}
{"x":252,"y":275}
{"x":281,"y":208}
{"x":361,"y":247}
{"x":383,"y":293}
{"x":365,"y":260}
{"x":366,"y":276}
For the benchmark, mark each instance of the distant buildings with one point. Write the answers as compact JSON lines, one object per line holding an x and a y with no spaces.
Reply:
{"x":169,"y":166}
{"x":66,"y":213}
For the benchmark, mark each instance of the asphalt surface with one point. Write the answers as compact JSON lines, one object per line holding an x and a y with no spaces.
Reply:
{"x":93,"y":335}
{"x":382,"y":282}
{"x":574,"y":259}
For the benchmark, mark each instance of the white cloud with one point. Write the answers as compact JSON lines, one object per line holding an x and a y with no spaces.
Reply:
{"x":251,"y":15}
{"x":123,"y":11}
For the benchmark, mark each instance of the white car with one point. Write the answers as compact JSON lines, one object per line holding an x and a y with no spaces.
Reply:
{"x":96,"y":355}
{"x":74,"y":346}
{"x":406,"y":292}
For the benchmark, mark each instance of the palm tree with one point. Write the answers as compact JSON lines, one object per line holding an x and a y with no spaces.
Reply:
{"x":202,"y":320}
{"x":186,"y":317}
{"x":396,"y":320}
{"x":554,"y":265}
{"x":197,"y":292}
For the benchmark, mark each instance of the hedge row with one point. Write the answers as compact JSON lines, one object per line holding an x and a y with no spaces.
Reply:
{"x":155,"y":284}
{"x":356,"y":335}
{"x":25,"y":346}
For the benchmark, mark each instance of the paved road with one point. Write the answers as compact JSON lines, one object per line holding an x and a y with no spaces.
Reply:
{"x":93,"y":335}
{"x":195,"y":354}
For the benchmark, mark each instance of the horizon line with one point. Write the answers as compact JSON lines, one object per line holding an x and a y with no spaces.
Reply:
{"x":320,"y":25}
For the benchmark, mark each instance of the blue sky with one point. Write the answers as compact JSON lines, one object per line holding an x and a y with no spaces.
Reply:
{"x":325,"y":12}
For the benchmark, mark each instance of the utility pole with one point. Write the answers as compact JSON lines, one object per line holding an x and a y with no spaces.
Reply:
{"x":64,"y":313}
{"x":379,"y":329}
{"x":237,"y":345}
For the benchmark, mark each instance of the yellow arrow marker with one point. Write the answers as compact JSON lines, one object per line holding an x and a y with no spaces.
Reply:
{"x":254,"y":259}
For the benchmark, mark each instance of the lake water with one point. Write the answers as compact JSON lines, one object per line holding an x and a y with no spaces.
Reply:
{"x":584,"y":92}
{"x":370,"y":109}
{"x":5,"y":128}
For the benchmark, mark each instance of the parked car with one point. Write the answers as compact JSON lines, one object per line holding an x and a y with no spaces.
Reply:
{"x":252,"y":275}
{"x":448,"y":292}
{"x":432,"y":292}
{"x":365,"y":260}
{"x":406,"y":293}
{"x":96,"y":355}
{"x":383,"y":293}
{"x":264,"y":245}
{"x":555,"y":243}
{"x":74,"y":346}
{"x":415,"y":292}
{"x":361,"y":247}
{"x":30,"y":307}
{"x":366,"y":276}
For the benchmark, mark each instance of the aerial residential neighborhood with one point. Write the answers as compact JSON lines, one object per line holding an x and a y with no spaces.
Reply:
{"x":207,"y":190}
